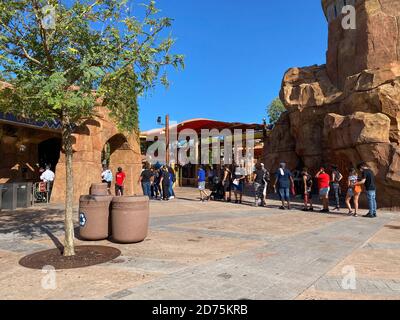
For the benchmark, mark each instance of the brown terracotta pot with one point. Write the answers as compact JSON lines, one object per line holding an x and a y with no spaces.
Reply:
{"x":94,"y":217}
{"x":130,"y":219}
{"x":99,"y":189}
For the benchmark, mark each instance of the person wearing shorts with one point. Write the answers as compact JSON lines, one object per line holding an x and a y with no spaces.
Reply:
{"x":353,"y":191}
{"x":306,"y":189}
{"x":323,"y":187}
{"x":283,"y":182}
{"x":226,"y":182}
{"x":119,"y":182}
{"x":238,"y":183}
{"x":201,"y":179}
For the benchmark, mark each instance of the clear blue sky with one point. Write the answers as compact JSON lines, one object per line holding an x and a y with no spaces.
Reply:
{"x":236,"y":54}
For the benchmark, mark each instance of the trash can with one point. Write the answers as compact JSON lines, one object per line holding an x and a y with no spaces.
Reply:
{"x":94,"y":217}
{"x":24,"y":194}
{"x":129,"y":219}
{"x":16,"y":195}
{"x":99,"y":189}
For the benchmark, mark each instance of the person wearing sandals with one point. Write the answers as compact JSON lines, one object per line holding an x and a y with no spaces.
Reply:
{"x":306,"y":188}
{"x":353,"y":191}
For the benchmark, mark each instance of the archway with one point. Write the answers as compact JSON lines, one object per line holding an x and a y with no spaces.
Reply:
{"x":49,"y":153}
{"x":117,"y":152}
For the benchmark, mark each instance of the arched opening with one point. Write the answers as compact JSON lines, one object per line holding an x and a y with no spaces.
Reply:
{"x":117,"y":152}
{"x":49,"y":153}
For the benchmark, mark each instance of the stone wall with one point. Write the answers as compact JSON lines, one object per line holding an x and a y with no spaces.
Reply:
{"x":348,"y":110}
{"x":90,"y":139}
{"x":89,"y":143}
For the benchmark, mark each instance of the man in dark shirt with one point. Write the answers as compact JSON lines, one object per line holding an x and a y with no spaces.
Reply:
{"x":368,"y":180}
{"x":284,"y":180}
{"x":259,"y":182}
{"x":146,"y":179}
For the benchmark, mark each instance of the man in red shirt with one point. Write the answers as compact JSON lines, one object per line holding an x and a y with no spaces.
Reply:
{"x":119,"y":182}
{"x":323,"y":186}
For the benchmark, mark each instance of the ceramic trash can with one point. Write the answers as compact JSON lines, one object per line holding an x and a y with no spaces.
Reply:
{"x":94,"y":217}
{"x":99,"y":189}
{"x":129,"y":219}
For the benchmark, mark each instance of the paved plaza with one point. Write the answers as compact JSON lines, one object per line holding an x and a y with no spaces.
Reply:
{"x":215,"y":251}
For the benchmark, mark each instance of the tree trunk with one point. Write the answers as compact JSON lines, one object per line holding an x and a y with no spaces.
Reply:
{"x":69,"y":190}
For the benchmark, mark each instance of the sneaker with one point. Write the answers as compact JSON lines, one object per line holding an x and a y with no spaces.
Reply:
{"x":170,"y":198}
{"x":369,"y":216}
{"x":324,"y":211}
{"x":282,"y":208}
{"x":311,"y":209}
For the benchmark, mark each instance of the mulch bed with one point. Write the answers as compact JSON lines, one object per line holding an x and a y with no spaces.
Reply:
{"x":85,"y":256}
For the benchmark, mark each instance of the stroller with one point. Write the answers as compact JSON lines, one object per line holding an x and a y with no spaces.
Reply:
{"x":217,"y":190}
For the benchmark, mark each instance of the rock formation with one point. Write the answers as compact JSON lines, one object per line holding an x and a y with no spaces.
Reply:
{"x":348,"y":110}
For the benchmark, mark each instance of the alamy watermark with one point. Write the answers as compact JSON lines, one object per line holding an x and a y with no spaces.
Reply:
{"x":349,"y":281}
{"x":49,"y":280}
{"x":210,"y":147}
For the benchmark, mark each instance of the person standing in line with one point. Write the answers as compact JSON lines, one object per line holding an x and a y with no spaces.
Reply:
{"x":172,"y":180}
{"x":259,"y":182}
{"x":306,"y":189}
{"x":353,"y":191}
{"x":146,"y":178}
{"x":165,"y":182}
{"x":48,"y":177}
{"x":267,"y":180}
{"x":157,"y":184}
{"x":201,"y":180}
{"x":283,"y":182}
{"x":324,"y":188}
{"x":210,"y":175}
{"x":107,"y":177}
{"x":227,"y":182}
{"x":368,"y":181}
{"x":238,"y":183}
{"x":119,"y":182}
{"x":336,"y":178}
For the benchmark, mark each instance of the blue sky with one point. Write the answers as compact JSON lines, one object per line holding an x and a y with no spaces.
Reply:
{"x":236,"y":52}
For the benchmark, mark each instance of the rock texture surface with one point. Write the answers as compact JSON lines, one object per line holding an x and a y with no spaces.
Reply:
{"x":348,"y":110}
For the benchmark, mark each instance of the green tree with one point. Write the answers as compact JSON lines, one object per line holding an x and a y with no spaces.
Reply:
{"x":274,"y":110}
{"x":61,"y":57}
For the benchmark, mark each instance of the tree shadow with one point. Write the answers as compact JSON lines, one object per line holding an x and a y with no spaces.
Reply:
{"x":32,"y":222}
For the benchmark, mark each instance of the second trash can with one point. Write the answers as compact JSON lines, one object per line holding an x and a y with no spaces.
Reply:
{"x":94,"y":216}
{"x":99,"y":189}
{"x":130,"y":219}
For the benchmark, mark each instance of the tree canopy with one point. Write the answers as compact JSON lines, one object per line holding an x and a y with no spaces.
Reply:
{"x":60,"y":58}
{"x":56,"y":55}
{"x":275,"y":110}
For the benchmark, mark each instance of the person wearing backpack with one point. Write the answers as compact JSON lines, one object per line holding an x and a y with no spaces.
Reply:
{"x":336,"y":178}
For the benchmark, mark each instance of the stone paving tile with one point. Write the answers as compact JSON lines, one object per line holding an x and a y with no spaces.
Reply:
{"x":278,"y":273}
{"x":21,"y":246}
{"x":387,"y":246}
{"x":147,"y":264}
